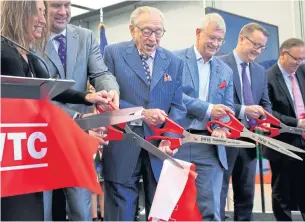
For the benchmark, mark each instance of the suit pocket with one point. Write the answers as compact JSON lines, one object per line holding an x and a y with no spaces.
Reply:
{"x":168,"y":87}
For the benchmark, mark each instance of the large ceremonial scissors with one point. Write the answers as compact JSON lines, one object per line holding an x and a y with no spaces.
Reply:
{"x":237,"y":130}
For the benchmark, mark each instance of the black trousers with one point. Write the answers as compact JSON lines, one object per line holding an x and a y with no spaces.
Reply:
{"x":28,"y":207}
{"x":59,"y":205}
{"x":288,"y":188}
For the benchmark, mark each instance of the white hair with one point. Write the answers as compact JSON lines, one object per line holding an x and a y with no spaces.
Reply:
{"x":144,"y":9}
{"x":212,"y":18}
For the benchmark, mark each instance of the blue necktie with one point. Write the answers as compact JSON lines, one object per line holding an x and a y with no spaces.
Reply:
{"x":247,"y":92}
{"x":62,"y":49}
{"x":146,"y":68}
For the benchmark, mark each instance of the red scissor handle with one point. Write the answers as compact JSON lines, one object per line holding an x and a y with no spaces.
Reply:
{"x":233,"y":125}
{"x":113,"y":133}
{"x":169,"y":127}
{"x":272,"y":132}
{"x":268,"y":118}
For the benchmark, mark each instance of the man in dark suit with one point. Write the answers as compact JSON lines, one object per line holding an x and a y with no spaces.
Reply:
{"x":286,"y":84}
{"x":148,"y":76}
{"x":251,"y":98}
{"x":206,"y":97}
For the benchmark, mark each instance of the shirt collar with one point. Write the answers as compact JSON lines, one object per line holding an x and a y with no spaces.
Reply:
{"x":53,"y":35}
{"x":198,"y":55}
{"x":283,"y":71}
{"x":151,"y":56}
{"x":238,"y":59}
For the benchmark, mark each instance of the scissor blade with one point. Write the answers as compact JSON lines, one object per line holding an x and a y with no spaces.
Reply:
{"x":294,"y":130}
{"x":192,"y":138}
{"x":287,"y":146}
{"x":269,"y":143}
{"x":150,"y":147}
{"x":100,"y":120}
{"x":123,"y":112}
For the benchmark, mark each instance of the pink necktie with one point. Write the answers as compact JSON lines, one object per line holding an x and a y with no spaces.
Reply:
{"x":298,"y":99}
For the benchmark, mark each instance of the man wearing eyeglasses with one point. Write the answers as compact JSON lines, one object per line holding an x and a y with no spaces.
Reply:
{"x":251,"y":98}
{"x":207,"y":93}
{"x":286,"y":83}
{"x":148,"y":76}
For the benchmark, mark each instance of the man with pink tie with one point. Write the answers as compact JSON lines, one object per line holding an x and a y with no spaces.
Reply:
{"x":286,"y":84}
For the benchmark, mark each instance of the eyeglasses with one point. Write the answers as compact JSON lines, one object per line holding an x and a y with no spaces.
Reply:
{"x":296,"y":59}
{"x":148,"y":32}
{"x":220,"y":41}
{"x":256,"y":46}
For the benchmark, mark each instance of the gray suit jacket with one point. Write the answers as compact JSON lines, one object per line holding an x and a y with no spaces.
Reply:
{"x":84,"y":61}
{"x":196,"y":108}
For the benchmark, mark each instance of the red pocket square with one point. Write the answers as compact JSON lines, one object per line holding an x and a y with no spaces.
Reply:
{"x":222,"y":85}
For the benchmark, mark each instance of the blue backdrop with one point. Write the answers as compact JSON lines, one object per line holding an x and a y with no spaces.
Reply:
{"x":234,"y":23}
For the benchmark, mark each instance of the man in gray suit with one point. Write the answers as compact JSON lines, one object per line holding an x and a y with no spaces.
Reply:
{"x":207,"y":93}
{"x":250,"y":98}
{"x":149,"y":76}
{"x":73,"y":53}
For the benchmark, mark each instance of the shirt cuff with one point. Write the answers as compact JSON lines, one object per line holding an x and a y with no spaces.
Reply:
{"x":242,"y":112}
{"x":208,"y":113}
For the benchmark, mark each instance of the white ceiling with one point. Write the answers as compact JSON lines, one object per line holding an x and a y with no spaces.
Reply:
{"x":93,"y":4}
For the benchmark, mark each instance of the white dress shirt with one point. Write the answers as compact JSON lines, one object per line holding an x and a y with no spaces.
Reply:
{"x":204,"y":72}
{"x":56,"y":43}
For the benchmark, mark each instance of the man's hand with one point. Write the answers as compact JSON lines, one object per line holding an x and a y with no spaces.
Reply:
{"x":114,"y":97}
{"x":154,"y":116}
{"x":301,"y":123}
{"x":98,"y":97}
{"x":254,"y":111}
{"x":165,"y":146}
{"x":99,"y":133}
{"x":220,"y":133}
{"x":219,"y":111}
{"x":111,"y":96}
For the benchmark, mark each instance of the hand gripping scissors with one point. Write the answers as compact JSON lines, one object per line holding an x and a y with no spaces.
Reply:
{"x":238,"y":130}
{"x":172,"y":127}
{"x":122,"y":131}
{"x":272,"y":120}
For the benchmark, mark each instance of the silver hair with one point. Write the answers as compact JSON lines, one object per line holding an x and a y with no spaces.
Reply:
{"x":212,"y":18}
{"x":144,"y":9}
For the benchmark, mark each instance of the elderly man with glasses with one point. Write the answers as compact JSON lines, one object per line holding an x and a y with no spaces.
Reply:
{"x":286,"y":84}
{"x":251,"y":98}
{"x":207,"y":93}
{"x":148,"y":76}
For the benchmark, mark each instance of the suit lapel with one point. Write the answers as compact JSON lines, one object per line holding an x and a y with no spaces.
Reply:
{"x":282,"y":83}
{"x":54,"y":58}
{"x":132,"y":58}
{"x":214,"y":76}
{"x":236,"y":78}
{"x":193,"y":69}
{"x":161,"y":62}
{"x":72,"y":48}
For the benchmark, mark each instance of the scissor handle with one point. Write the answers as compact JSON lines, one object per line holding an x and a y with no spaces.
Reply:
{"x":272,"y":132}
{"x":175,"y":142}
{"x":233,"y":125}
{"x":113,"y":133}
{"x":169,"y":127}
{"x":268,"y":118}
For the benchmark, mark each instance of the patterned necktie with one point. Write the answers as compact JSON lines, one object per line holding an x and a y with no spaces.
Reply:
{"x":146,"y":68}
{"x":247,"y":92}
{"x":62,"y":49}
{"x":298,"y":99}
